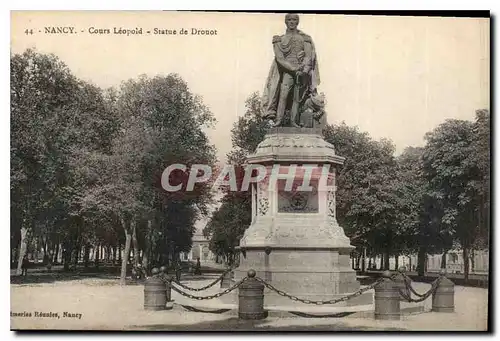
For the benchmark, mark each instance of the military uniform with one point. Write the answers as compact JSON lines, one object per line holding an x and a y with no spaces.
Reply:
{"x":291,"y":52}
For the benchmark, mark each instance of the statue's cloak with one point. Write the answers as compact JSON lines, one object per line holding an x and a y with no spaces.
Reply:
{"x":270,"y":96}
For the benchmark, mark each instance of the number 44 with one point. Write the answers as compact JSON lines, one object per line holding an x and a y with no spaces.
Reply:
{"x":30,"y":31}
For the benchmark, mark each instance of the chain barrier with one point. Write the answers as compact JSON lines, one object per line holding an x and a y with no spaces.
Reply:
{"x":219,"y":294}
{"x":164,"y":277}
{"x":407,"y":281}
{"x":306,"y":301}
{"x":423,"y":297}
{"x":359,"y":292}
{"x":206,"y":286}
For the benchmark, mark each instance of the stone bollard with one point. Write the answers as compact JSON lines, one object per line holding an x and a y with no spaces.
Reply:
{"x":155,"y":297}
{"x":168,"y":284}
{"x":400,"y":283}
{"x":226,"y":280}
{"x":443,"y":299}
{"x":251,"y":299}
{"x":387,"y":304}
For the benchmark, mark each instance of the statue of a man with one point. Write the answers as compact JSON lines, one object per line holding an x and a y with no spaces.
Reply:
{"x":294,"y":74}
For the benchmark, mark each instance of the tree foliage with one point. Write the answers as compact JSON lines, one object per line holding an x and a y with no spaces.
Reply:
{"x":228,"y":223}
{"x":456,"y":166}
{"x":87,"y":163}
{"x":87,"y":166}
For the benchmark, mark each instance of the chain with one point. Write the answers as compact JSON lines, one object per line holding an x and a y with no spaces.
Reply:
{"x":164,"y":277}
{"x":306,"y":301}
{"x":219,"y":294}
{"x":407,"y":281}
{"x":359,"y":292}
{"x":206,"y":286}
{"x":423,"y":297}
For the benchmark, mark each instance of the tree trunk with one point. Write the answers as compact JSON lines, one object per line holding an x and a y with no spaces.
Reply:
{"x":97,"y":254}
{"x":66,"y":255}
{"x":133,"y":227}
{"x":466,"y":263}
{"x":124,"y":259}
{"x":396,"y":262}
{"x":23,"y":246}
{"x":56,"y":253}
{"x":86,"y":255}
{"x":443,"y":259}
{"x":410,"y":269}
{"x":35,"y":249}
{"x":77,"y":252}
{"x":472,"y":260}
{"x":387,"y":258}
{"x":363,"y":263}
{"x":147,"y":245}
{"x":120,"y":256}
{"x":422,"y":255}
{"x":45,"y":252}
{"x":370,"y":263}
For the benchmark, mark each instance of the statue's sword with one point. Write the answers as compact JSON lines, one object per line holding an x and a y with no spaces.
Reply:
{"x":295,"y":104}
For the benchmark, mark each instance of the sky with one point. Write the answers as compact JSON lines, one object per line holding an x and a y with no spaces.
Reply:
{"x":394,"y":77}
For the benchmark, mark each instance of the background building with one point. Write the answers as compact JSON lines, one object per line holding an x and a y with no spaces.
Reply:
{"x":200,"y":247}
{"x":478,"y":264}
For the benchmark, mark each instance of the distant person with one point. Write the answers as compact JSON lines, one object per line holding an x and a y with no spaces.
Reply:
{"x":178,"y":270}
{"x":138,"y":272}
{"x":141,"y":272}
{"x":197,"y":269}
{"x":24,"y":266}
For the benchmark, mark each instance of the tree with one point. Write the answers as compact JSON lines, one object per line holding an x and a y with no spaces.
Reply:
{"x":370,"y":206}
{"x":412,"y":191}
{"x":162,"y":124}
{"x":482,"y":157}
{"x":40,"y":85}
{"x":451,"y":167}
{"x":424,"y":231}
{"x":54,"y":116}
{"x":249,"y":130}
{"x":228,"y":223}
{"x":87,"y":163}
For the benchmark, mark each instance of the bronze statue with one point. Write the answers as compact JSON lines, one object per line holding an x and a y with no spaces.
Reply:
{"x":293,"y":78}
{"x":313,"y":114}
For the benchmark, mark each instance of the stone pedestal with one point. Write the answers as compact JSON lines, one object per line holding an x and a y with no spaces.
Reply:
{"x":294,"y":241}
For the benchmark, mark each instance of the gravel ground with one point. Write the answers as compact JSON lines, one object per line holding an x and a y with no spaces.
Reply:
{"x":101,"y":304}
